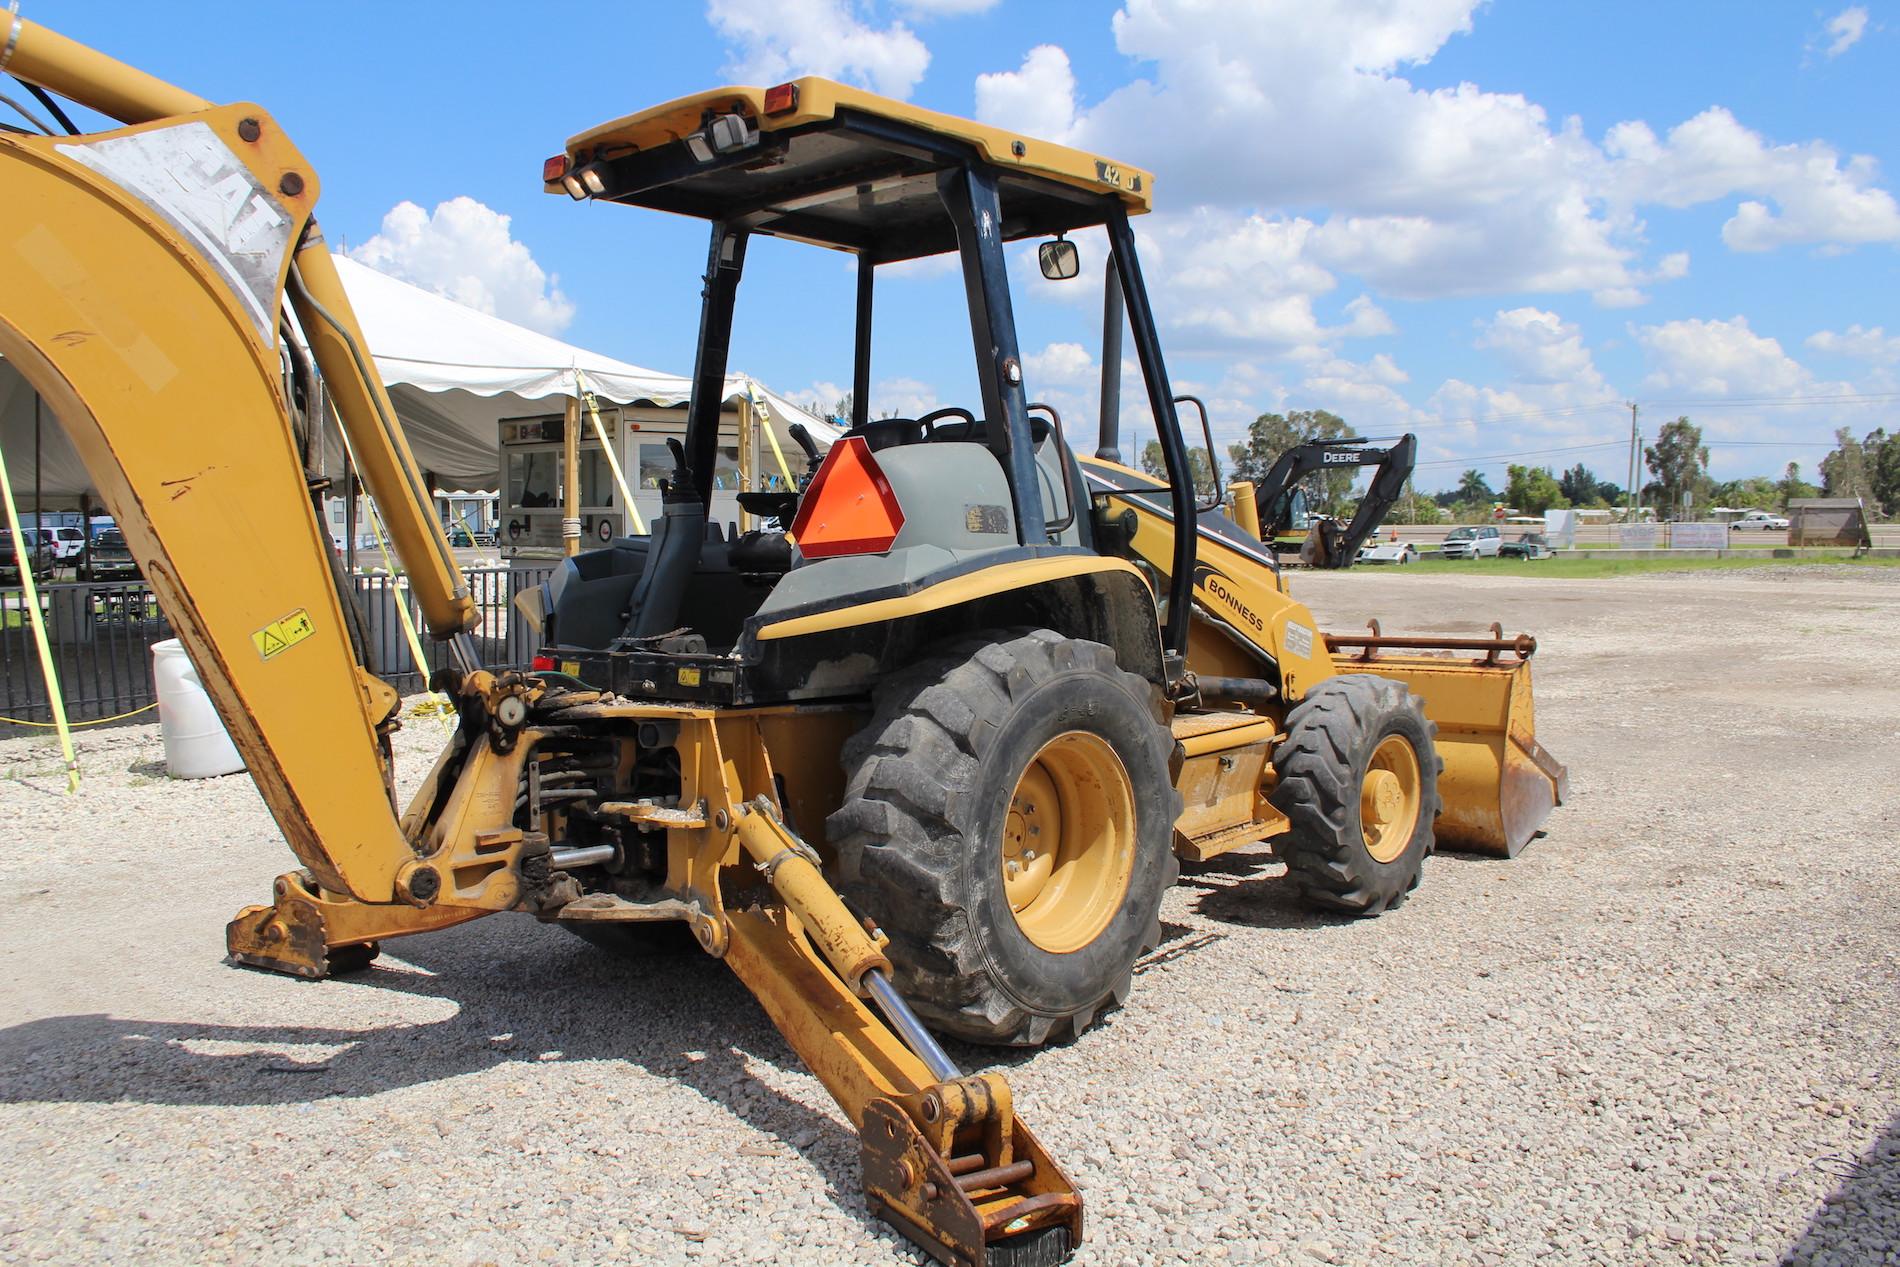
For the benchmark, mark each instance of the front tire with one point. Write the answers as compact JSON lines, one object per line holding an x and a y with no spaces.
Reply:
{"x":1008,"y":820}
{"x":1358,"y":782}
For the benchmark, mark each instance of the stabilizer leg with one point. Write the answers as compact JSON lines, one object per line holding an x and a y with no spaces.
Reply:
{"x":946,"y":1160}
{"x":306,"y":932}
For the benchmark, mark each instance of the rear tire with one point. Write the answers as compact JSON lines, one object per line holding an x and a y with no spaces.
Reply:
{"x":1023,"y":748}
{"x":1358,"y":781}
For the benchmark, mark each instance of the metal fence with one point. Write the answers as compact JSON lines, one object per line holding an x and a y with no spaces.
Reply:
{"x":102,"y":635}
{"x":502,"y":638}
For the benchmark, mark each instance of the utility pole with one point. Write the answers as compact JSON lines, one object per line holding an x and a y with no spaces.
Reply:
{"x":1635,"y":452}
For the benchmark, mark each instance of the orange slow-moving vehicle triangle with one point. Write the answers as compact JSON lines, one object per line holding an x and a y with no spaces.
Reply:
{"x":850,"y":507}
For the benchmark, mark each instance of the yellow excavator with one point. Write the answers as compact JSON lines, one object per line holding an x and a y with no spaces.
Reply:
{"x":920,"y":754}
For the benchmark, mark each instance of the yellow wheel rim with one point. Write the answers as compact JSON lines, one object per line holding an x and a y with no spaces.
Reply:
{"x":1388,"y":799}
{"x":1069,"y":842}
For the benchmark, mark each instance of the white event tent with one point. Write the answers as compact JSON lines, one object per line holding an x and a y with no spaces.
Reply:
{"x":452,"y":372}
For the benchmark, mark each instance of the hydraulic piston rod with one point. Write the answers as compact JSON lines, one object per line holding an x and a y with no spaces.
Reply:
{"x":908,"y":1027}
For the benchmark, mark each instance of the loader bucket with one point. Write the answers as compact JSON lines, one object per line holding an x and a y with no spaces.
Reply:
{"x":1499,"y":784}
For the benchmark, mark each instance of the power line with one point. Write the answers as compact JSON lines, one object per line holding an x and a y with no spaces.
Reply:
{"x":1767,"y":402}
{"x":1481,"y":459}
{"x":1527,"y":453}
{"x":1766,"y":444}
{"x":1737,"y":402}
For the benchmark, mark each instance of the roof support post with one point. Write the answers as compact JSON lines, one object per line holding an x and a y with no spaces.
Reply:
{"x":1109,"y":427}
{"x":861,"y":357}
{"x":725,"y":261}
{"x":969,"y":195}
{"x":1141,"y":323}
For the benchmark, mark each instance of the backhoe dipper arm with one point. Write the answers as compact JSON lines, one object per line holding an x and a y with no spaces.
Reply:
{"x":1274,"y":493}
{"x":141,"y":280}
{"x":383,"y":459}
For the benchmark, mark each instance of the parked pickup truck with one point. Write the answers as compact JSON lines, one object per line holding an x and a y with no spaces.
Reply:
{"x":39,"y":558}
{"x":110,"y":559}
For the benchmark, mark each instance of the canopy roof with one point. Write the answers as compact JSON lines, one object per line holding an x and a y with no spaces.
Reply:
{"x":453,"y":374}
{"x":822,"y":162}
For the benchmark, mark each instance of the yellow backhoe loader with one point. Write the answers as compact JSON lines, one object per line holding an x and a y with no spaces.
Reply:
{"x":921,"y":756}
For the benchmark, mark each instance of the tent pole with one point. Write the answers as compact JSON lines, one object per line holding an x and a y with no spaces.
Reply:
{"x":39,"y":523}
{"x":748,"y":444}
{"x":349,"y":512}
{"x":571,"y":478}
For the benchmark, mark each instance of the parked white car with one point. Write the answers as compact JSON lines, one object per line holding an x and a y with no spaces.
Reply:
{"x":68,"y":542}
{"x":1388,"y":552}
{"x":1481,"y":542}
{"x":1762,"y":521}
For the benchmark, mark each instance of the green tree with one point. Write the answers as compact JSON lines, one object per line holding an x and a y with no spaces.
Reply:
{"x":1844,"y":471}
{"x":1532,"y":490}
{"x":1473,"y":488}
{"x":1756,"y":492}
{"x":1680,"y":462}
{"x":1154,"y":464}
{"x":1883,"y":460}
{"x":1270,"y":435}
{"x":1412,"y":508}
{"x":1580,"y":486}
{"x":1868,"y":468}
{"x":1792,"y":485}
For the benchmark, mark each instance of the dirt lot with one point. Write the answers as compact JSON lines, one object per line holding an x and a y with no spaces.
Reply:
{"x":1665,"y":1034}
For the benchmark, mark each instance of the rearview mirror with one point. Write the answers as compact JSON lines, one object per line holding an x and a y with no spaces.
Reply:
{"x":1059,"y":260}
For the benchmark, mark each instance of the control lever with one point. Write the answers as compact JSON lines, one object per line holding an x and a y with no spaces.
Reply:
{"x":682,"y":474}
{"x":802,"y":437}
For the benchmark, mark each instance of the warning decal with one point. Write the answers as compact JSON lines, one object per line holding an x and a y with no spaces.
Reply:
{"x":281,"y":635}
{"x":1299,"y":640}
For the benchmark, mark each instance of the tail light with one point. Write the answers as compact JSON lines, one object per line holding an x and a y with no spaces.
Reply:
{"x":543,"y":664}
{"x":553,"y":169}
{"x":850,"y":507}
{"x":781,"y":99}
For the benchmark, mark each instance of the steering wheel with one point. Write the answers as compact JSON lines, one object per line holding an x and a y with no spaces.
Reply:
{"x":929,"y":420}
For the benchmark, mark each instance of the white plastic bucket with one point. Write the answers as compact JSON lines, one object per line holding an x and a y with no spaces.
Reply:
{"x":196,"y":746}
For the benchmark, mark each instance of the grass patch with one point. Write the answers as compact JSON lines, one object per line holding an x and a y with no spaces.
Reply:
{"x":1592,"y":569}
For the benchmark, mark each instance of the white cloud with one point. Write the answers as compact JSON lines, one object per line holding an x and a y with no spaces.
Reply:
{"x":1226,"y":278}
{"x":890,"y":397}
{"x":1719,"y":358}
{"x":1845,"y":28}
{"x":946,"y":8}
{"x":1430,"y":192}
{"x":1874,"y":345}
{"x":464,"y":250}
{"x":1619,"y":297}
{"x":776,"y":40}
{"x":1425,"y":193}
{"x":1038,"y":100}
{"x":1817,"y":198}
{"x":1669,"y":268}
{"x":1541,"y":347}
{"x":1059,"y":363}
{"x":902,"y":398}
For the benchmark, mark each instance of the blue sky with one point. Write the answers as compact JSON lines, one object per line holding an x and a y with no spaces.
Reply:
{"x":1491,"y":223}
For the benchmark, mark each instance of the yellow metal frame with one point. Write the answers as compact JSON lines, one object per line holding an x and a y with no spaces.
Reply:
{"x":955,"y":592}
{"x":821,"y":99}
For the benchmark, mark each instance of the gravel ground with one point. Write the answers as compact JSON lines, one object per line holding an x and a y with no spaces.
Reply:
{"x":1664,"y":1034}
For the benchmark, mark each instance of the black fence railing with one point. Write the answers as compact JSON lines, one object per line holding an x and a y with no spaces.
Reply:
{"x":502,"y":639}
{"x":102,"y":636}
